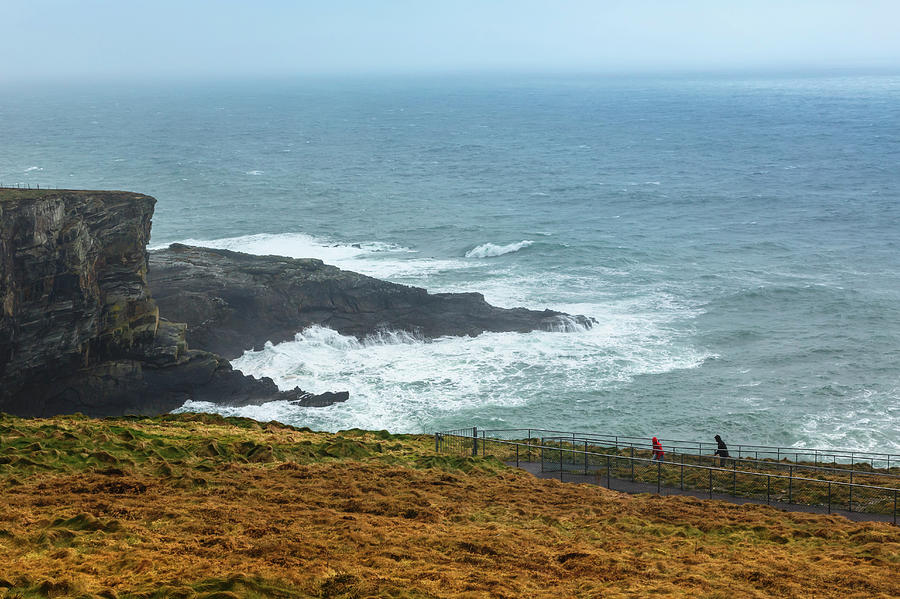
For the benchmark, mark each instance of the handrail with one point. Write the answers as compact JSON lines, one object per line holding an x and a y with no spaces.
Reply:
{"x":679,"y":464}
{"x":762,"y":463}
{"x":779,"y":451}
{"x":796,"y":485}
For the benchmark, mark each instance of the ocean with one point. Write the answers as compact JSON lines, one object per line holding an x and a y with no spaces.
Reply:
{"x":737,"y":238}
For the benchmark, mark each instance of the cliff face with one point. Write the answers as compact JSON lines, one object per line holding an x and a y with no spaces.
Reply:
{"x":79,"y":330}
{"x":72,"y":280}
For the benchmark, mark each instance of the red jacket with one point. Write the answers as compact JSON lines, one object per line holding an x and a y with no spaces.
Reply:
{"x":658,"y":452}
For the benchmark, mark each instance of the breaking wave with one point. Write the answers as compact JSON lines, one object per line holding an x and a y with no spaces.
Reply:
{"x":490,"y":250}
{"x":405,"y":383}
{"x":374,"y":258}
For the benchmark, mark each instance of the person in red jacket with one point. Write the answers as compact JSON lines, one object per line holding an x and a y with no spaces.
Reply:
{"x":658,"y":453}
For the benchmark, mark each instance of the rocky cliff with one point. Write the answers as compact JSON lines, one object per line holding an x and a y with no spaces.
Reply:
{"x":79,"y":330}
{"x":232,"y":302}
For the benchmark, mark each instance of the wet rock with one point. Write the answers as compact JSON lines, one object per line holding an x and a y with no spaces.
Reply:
{"x":233,"y":302}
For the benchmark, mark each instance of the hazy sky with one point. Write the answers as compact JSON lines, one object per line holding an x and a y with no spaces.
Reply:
{"x":53,"y":39}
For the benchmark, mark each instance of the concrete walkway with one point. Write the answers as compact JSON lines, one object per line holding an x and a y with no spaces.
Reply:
{"x":627,"y":486}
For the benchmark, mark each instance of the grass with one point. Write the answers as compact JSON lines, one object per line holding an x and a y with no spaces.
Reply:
{"x":18,"y":194}
{"x":202,"y":506}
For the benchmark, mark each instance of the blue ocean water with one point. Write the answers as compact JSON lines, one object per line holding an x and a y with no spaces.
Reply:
{"x":736,"y":238}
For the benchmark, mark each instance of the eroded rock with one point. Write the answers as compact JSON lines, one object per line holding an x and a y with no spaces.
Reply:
{"x":233,"y":302}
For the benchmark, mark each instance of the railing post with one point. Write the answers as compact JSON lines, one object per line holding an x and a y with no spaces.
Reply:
{"x":560,"y":460}
{"x":791,"y":484}
{"x":585,"y":458}
{"x":632,"y":463}
{"x":543,"y":454}
{"x":517,"y":455}
{"x":734,"y":477}
{"x":529,"y":445}
{"x":608,"y":485}
{"x":658,"y":477}
{"x":829,"y":497}
{"x":850,"y":499}
{"x":682,"y":472}
{"x":895,"y":507}
{"x":437,"y":440}
{"x":474,"y":441}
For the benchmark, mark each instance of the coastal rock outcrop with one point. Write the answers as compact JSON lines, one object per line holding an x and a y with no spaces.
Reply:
{"x":79,"y":329}
{"x":233,"y":302}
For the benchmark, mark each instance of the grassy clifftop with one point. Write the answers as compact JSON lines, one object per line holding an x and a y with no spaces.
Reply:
{"x":9,"y":194}
{"x":197,"y":505}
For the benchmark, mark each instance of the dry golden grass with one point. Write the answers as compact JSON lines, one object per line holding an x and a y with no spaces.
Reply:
{"x":197,"y":506}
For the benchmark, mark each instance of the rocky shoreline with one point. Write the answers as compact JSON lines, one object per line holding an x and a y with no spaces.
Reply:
{"x":91,"y":322}
{"x":234,"y":302}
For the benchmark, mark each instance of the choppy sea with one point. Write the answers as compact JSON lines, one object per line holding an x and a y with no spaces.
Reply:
{"x":736,"y":238}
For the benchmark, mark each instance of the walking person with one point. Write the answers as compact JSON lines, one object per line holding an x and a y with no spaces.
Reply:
{"x":722,"y":450}
{"x":658,"y":453}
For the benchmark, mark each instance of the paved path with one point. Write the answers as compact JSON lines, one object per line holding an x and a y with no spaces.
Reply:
{"x":627,"y":486}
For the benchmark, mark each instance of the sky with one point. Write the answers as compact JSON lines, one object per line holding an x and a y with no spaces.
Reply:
{"x":51,"y":40}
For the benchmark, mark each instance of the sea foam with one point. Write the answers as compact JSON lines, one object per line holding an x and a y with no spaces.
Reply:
{"x":405,"y":383}
{"x":490,"y":250}
{"x":374,"y":258}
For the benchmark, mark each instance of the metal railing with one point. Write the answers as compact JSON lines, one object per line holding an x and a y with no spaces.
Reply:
{"x":26,"y":186}
{"x":818,"y":457}
{"x":732,"y":476}
{"x":835,"y":472}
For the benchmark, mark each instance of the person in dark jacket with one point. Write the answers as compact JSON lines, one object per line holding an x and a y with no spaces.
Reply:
{"x":722,"y":451}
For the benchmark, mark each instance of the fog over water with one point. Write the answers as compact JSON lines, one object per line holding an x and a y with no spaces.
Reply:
{"x":51,"y":40}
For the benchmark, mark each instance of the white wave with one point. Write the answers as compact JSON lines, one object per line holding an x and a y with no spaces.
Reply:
{"x":294,"y":245}
{"x":374,"y":258}
{"x":33,"y":168}
{"x":849,"y":423}
{"x":402,"y":383}
{"x":490,"y":250}
{"x":254,"y":173}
